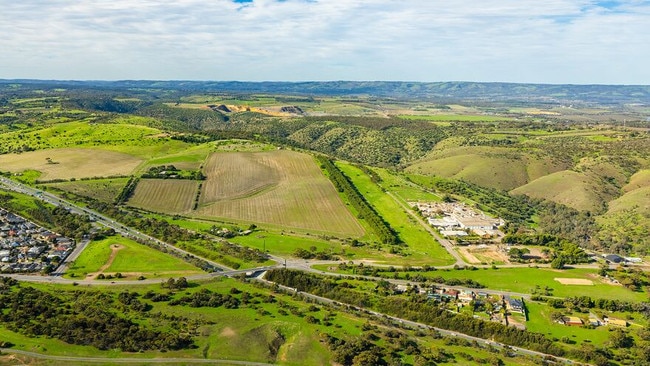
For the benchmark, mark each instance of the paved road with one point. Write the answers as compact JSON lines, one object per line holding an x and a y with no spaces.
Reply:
{"x":449,"y":247}
{"x":416,"y":325}
{"x":282,"y":262}
{"x":131,"y":360}
{"x":98,"y":218}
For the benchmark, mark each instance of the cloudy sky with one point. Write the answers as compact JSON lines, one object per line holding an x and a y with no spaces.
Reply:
{"x":546,"y":41}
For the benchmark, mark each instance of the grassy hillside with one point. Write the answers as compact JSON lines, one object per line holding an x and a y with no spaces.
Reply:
{"x":495,"y":167}
{"x":566,"y":187}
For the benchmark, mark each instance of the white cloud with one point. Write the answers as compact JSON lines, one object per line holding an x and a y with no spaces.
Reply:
{"x":553,"y":41}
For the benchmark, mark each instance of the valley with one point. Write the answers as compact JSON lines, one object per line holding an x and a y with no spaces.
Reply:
{"x":292,"y":226}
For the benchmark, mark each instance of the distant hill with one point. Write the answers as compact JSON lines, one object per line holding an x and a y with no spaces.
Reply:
{"x":456,"y":90}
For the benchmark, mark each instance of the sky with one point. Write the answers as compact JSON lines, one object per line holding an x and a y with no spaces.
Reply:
{"x":526,"y":41}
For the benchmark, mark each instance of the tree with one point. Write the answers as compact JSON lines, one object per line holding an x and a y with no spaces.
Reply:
{"x":621,"y":339}
{"x":558,"y":263}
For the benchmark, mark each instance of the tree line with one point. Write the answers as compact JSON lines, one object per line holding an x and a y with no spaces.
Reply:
{"x":365,"y":211}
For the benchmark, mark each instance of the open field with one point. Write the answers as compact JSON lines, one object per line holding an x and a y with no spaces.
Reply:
{"x":71,"y":163}
{"x":164,"y":195}
{"x":540,"y":322}
{"x":525,"y":279}
{"x":277,"y":187}
{"x":132,"y":260}
{"x":422,"y":247}
{"x":102,"y":189}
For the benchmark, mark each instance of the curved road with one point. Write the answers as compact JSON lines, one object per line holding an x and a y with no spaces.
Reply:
{"x":282,"y":262}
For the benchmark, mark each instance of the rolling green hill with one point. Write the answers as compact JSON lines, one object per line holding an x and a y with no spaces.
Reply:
{"x":495,"y":167}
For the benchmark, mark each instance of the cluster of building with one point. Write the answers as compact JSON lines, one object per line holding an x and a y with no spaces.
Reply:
{"x":465,"y":297}
{"x":458,"y":219}
{"x":575,"y":321}
{"x":26,"y":247}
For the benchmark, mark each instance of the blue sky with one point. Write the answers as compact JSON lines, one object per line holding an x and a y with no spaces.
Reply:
{"x":552,"y":41}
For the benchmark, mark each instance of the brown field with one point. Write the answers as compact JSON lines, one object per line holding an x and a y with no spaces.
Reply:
{"x":164,"y":195}
{"x":574,"y":281}
{"x":279,"y":187}
{"x":475,"y":254}
{"x":71,"y":163}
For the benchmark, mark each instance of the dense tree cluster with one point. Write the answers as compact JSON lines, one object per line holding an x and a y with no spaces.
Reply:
{"x":88,"y":318}
{"x":171,"y":172}
{"x":385,"y":233}
{"x":415,"y":308}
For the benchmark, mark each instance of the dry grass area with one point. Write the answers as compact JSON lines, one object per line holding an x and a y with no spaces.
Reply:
{"x":165,"y":195}
{"x":71,"y":163}
{"x":574,"y":281}
{"x":477,"y":254}
{"x":278,"y":187}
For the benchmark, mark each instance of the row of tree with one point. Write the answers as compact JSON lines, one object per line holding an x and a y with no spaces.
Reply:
{"x":365,"y":211}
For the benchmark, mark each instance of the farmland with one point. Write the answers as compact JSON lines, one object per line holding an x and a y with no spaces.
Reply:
{"x":102,"y":189}
{"x":178,"y":195}
{"x":583,"y":171}
{"x":70,"y":163}
{"x":282,"y":188}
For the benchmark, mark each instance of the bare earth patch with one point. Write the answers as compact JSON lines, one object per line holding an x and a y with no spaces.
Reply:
{"x":574,"y":281}
{"x":115,"y":248}
{"x":228,"y":332}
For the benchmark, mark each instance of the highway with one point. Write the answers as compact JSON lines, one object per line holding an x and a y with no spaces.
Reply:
{"x":296,"y":264}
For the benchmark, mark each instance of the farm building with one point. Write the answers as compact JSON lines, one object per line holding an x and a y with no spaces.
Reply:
{"x":614,"y":258}
{"x":572,"y":321}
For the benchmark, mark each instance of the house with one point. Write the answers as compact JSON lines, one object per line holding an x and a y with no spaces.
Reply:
{"x":465,"y":296}
{"x":572,"y":321}
{"x":514,"y":305}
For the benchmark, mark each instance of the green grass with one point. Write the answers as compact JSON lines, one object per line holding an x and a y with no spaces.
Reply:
{"x":577,"y":190}
{"x":102,"y":189}
{"x":540,"y":322}
{"x":132,"y":259}
{"x":524,"y":280}
{"x":422,"y":247}
{"x":454,"y":117}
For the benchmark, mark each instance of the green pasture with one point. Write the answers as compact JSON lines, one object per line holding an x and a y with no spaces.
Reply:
{"x":404,"y":189}
{"x":525,"y":279}
{"x":454,"y":118}
{"x":132,"y":258}
{"x":540,"y":322}
{"x":422,"y":247}
{"x":285,"y":245}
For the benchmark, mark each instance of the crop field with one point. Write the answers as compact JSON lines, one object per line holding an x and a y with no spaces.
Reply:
{"x":105,"y":190}
{"x":276,"y":187}
{"x":69,"y":163}
{"x":164,"y":195}
{"x":118,"y":254}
